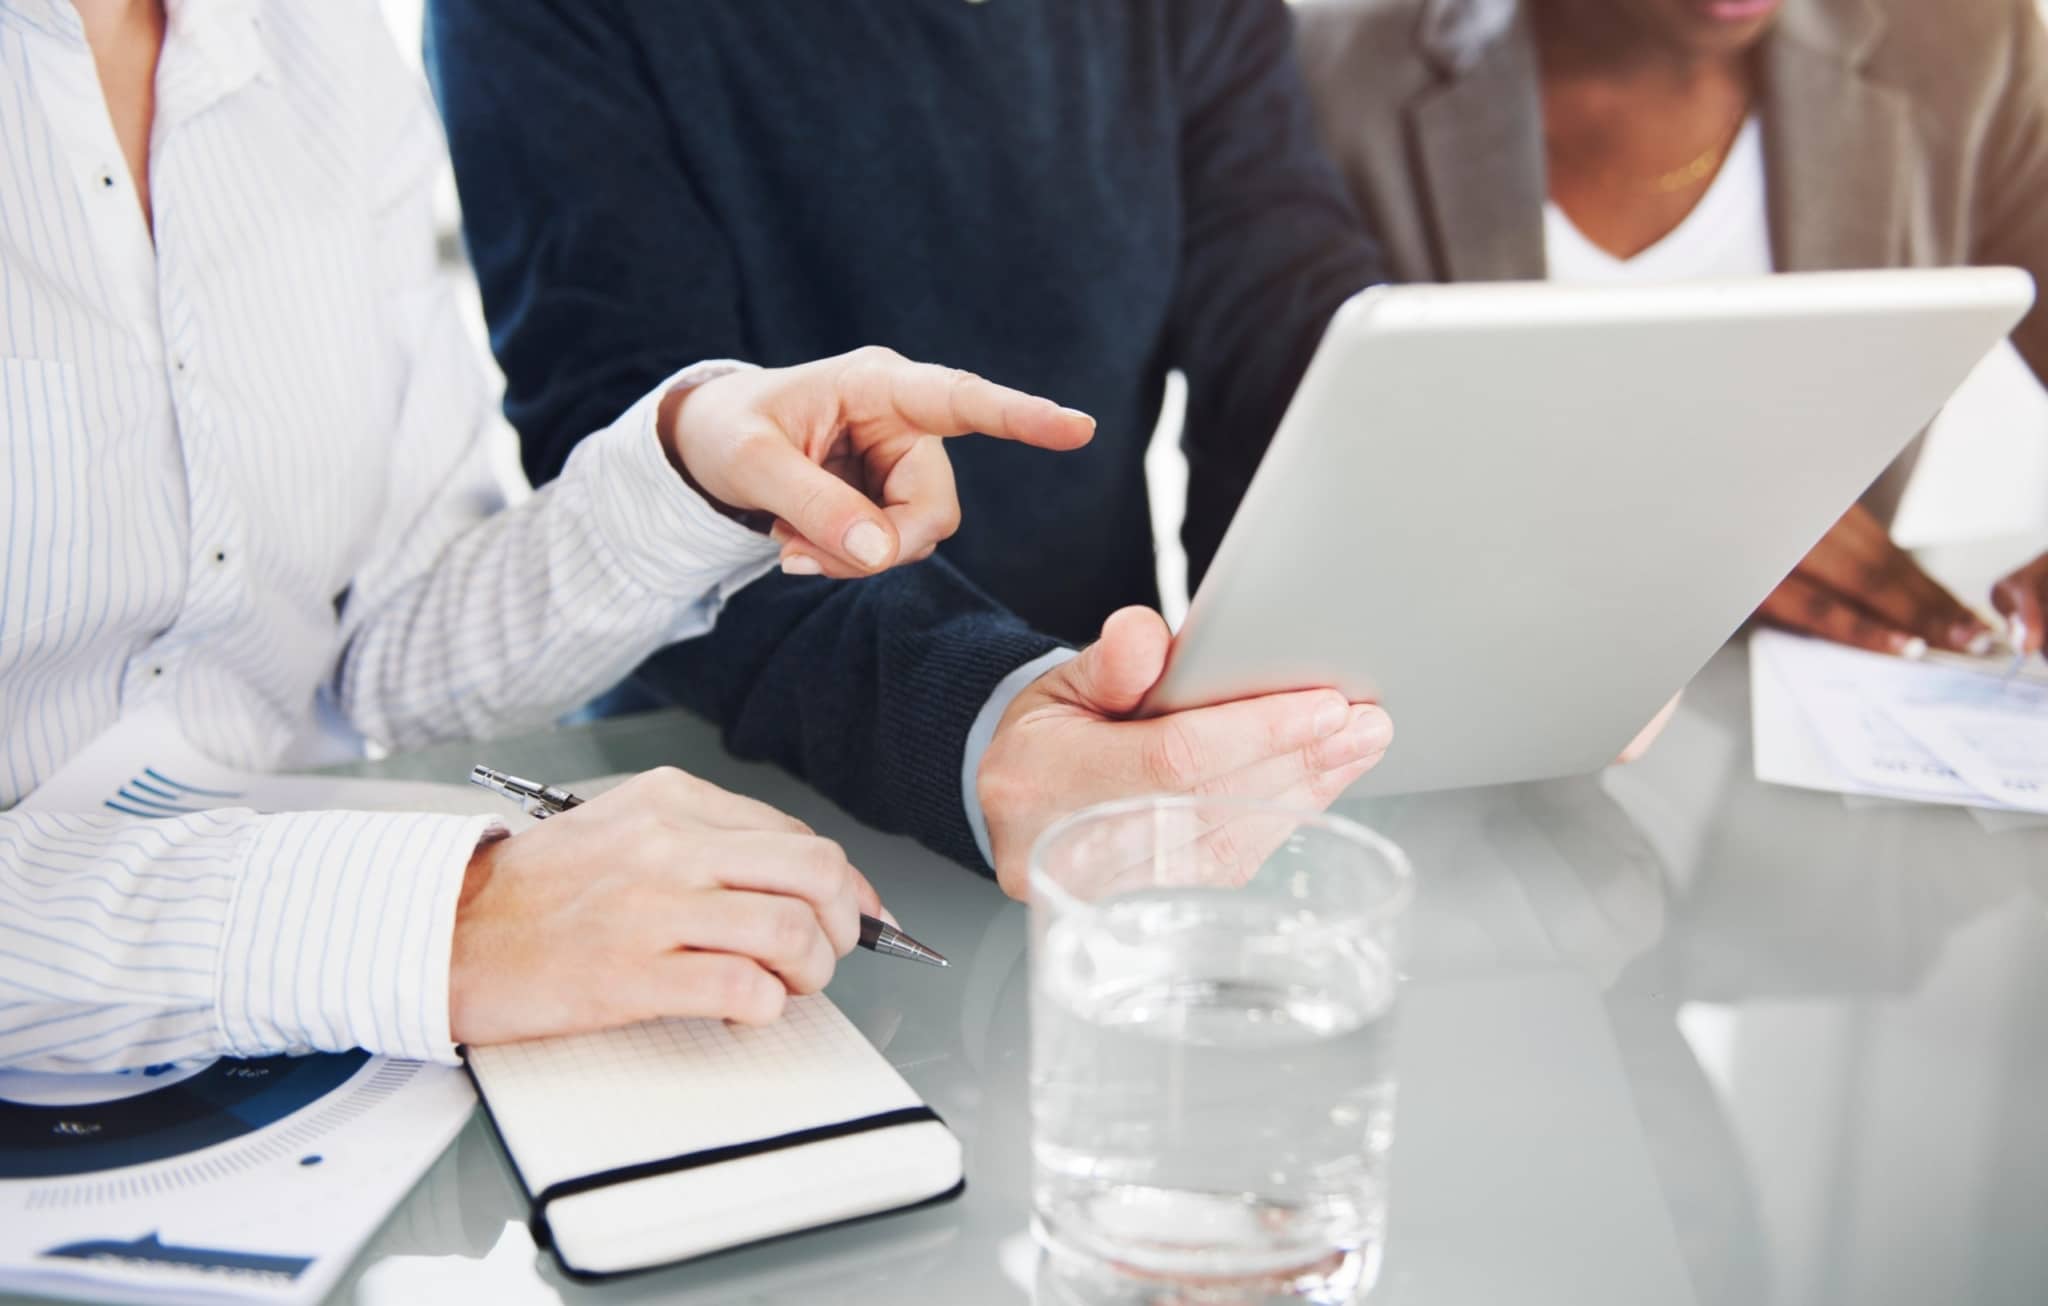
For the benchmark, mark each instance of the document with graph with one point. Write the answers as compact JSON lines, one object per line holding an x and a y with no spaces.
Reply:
{"x":671,"y":1139}
{"x":1839,"y":719}
{"x":252,"y":1180}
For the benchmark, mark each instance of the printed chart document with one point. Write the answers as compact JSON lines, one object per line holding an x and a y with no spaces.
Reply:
{"x":234,"y":1180}
{"x":1845,"y":721}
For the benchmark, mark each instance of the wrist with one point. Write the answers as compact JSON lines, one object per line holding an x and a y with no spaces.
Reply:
{"x":466,"y":959}
{"x":981,"y":789}
{"x":668,"y":428}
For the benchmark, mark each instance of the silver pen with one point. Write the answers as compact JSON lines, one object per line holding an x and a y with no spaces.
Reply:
{"x":2016,"y":635}
{"x":541,"y":801}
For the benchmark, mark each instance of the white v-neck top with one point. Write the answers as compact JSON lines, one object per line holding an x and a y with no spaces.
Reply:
{"x":1727,"y":234}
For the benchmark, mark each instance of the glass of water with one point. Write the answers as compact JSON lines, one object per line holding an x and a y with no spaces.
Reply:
{"x":1212,"y":1094}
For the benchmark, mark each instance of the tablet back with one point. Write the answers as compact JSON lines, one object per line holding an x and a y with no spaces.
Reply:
{"x":1522,"y":516}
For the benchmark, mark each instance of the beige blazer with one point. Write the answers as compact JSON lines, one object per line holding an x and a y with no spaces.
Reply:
{"x":1897,"y":133}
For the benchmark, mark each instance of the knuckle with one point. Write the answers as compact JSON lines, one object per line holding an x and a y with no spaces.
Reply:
{"x":813,"y":514}
{"x":826,"y":861}
{"x":1225,"y":846}
{"x":741,"y":987}
{"x":1172,"y":760}
{"x":814,"y":972}
{"x":872,"y":359}
{"x":790,"y":928}
{"x":1328,"y":787}
{"x":770,"y":998}
{"x":671,"y":781}
{"x":958,"y":385}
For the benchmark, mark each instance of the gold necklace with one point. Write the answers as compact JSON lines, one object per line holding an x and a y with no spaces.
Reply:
{"x":1702,"y":165}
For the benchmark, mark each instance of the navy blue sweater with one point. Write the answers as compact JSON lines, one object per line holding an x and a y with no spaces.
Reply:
{"x":1068,"y":196}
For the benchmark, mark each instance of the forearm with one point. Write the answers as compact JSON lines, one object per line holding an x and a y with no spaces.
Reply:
{"x":534,"y":610}
{"x":867,"y":690}
{"x":128,"y":943}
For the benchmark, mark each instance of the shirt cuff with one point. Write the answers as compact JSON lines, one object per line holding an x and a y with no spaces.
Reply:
{"x":665,"y":535}
{"x":983,"y":733}
{"x":340,"y":933}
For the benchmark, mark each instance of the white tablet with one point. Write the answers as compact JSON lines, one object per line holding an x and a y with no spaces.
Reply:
{"x":1522,"y":516}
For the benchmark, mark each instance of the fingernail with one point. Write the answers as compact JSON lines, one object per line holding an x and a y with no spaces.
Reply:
{"x":1913,"y":649}
{"x":890,"y":917}
{"x":1330,"y":718}
{"x":1976,"y":640}
{"x":1368,"y":732}
{"x":868,"y":544}
{"x":1075,"y":412}
{"x":801,"y":564}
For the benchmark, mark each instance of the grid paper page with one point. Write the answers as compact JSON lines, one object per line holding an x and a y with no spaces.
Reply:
{"x":587,"y":1103}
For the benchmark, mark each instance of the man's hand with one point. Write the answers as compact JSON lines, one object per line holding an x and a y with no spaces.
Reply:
{"x":848,"y":453}
{"x":667,"y":896}
{"x":1065,"y":743}
{"x":2022,"y":598}
{"x":1859,"y":588}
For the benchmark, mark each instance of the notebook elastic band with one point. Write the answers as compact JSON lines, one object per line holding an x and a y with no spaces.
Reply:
{"x":627,"y":1174}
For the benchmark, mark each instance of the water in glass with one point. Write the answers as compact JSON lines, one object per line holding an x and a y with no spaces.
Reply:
{"x":1212,"y":1087}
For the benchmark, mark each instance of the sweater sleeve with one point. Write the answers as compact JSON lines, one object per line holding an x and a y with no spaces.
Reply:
{"x":1272,"y":248}
{"x":599,"y":261}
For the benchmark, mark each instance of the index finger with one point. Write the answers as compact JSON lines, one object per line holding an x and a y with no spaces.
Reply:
{"x":948,"y":401}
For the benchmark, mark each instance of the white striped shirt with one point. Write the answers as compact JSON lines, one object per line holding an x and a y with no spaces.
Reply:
{"x":244,"y":473}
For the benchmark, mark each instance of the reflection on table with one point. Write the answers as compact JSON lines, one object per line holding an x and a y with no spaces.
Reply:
{"x":1670,"y":1036}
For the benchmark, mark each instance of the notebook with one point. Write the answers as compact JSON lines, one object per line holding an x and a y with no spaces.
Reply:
{"x":673,"y":1139}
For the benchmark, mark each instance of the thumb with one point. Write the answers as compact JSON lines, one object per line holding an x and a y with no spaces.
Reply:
{"x":835,"y":519}
{"x":1113,"y":675}
{"x":2018,"y":598}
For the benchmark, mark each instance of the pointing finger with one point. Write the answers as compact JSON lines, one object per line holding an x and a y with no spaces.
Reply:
{"x":947,"y":401}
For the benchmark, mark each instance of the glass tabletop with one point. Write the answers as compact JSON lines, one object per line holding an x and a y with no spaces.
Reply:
{"x":1669,"y":1036}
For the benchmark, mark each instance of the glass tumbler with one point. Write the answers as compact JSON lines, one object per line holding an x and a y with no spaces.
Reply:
{"x":1212,"y":1091}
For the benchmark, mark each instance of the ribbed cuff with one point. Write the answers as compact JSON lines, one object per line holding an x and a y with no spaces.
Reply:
{"x":663,"y":534}
{"x":955,"y":673}
{"x":340,"y":933}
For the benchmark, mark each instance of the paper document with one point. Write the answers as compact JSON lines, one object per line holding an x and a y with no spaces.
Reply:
{"x":255,"y":1181}
{"x":1842,"y":720}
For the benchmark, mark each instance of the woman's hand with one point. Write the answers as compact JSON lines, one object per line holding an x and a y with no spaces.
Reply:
{"x":666,"y":896}
{"x":1859,"y":588}
{"x":847,"y":453}
{"x":2022,"y":598}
